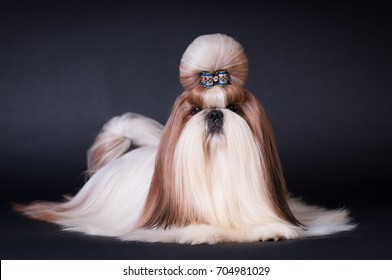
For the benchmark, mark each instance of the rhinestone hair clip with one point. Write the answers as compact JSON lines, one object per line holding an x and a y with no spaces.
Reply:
{"x":209,"y":79}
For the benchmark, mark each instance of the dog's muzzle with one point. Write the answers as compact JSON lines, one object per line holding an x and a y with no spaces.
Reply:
{"x":215,"y":121}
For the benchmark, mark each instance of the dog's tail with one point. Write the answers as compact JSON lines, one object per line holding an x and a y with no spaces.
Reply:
{"x":118,"y":136}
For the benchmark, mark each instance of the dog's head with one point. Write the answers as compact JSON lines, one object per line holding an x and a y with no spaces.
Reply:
{"x":217,"y":161}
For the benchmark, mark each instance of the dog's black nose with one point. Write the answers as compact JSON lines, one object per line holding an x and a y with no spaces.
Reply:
{"x":215,"y":121}
{"x":215,"y":115}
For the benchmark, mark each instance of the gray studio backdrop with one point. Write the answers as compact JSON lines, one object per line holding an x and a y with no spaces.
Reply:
{"x":322,"y":73}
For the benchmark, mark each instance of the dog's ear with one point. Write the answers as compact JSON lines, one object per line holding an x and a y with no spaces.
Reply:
{"x":276,"y":188}
{"x":162,"y":208}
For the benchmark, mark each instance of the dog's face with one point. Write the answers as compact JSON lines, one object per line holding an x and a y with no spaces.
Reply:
{"x":212,"y":112}
{"x":217,"y":163}
{"x":214,"y":115}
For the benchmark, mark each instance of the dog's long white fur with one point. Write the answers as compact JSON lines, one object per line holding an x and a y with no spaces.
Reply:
{"x":111,"y":202}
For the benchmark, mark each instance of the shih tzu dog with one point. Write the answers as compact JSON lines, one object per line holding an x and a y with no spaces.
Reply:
{"x":212,"y":174}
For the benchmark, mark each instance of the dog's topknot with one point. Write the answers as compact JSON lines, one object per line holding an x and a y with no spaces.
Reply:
{"x":210,"y":53}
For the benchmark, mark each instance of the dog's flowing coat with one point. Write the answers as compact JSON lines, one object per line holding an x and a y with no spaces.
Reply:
{"x":211,"y":175}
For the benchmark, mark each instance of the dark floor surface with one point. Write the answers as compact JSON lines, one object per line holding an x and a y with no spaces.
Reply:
{"x":22,"y":238}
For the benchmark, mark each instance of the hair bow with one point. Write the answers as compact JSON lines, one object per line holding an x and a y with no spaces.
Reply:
{"x":209,"y":79}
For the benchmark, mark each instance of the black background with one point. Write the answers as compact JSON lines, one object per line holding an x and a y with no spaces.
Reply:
{"x":322,"y":72}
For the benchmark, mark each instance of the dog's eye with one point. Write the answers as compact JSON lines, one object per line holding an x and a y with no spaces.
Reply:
{"x":234,"y":108}
{"x":195,"y":110}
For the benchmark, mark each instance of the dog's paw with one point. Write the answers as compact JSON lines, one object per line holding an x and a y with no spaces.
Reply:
{"x":275,"y":232}
{"x":201,"y":234}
